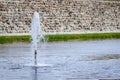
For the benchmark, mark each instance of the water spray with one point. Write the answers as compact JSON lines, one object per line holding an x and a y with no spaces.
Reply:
{"x":35,"y":31}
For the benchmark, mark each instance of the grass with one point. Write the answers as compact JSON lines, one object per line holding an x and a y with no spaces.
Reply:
{"x":10,"y":39}
{"x":62,"y":37}
{"x":93,"y":36}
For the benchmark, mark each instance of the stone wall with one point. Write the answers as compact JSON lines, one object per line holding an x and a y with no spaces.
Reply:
{"x":60,"y":15}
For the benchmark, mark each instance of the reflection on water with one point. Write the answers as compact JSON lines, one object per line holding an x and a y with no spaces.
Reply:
{"x":35,"y":73}
{"x":71,"y":61}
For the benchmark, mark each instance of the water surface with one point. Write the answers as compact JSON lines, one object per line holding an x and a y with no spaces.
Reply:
{"x":75,"y":60}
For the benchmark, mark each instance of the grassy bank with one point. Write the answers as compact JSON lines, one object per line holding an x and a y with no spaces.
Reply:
{"x":93,"y":36}
{"x":62,"y":37}
{"x":10,"y":39}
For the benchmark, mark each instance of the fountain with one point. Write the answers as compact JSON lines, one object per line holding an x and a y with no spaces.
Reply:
{"x":36,"y":34}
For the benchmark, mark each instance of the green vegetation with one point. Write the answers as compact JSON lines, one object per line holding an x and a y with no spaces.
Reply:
{"x":10,"y":39}
{"x":92,"y":36}
{"x":62,"y":37}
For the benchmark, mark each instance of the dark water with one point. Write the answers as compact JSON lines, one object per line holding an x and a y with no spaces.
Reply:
{"x":83,"y":60}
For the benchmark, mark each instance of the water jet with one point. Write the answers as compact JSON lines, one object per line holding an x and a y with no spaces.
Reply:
{"x":37,"y":36}
{"x":35,"y":31}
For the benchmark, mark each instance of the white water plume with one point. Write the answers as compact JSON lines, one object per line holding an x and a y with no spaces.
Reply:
{"x":36,"y":33}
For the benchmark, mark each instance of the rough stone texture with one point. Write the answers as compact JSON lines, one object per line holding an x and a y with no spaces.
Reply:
{"x":60,"y":15}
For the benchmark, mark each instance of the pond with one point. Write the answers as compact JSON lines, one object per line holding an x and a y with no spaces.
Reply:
{"x":73,"y":60}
